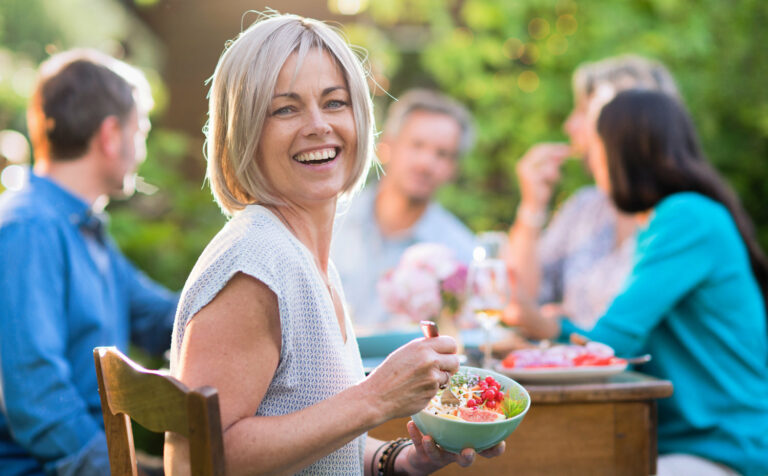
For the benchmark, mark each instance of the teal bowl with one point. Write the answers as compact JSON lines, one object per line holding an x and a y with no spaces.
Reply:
{"x":455,"y":435}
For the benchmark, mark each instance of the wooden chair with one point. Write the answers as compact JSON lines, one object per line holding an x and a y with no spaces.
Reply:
{"x":159,"y":403}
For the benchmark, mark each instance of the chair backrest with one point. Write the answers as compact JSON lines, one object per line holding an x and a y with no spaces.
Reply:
{"x":159,"y":403}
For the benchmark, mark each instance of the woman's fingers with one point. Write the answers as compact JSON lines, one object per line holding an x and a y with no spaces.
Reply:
{"x":494,"y":451}
{"x":466,"y":457}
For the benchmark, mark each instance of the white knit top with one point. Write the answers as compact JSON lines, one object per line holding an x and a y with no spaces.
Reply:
{"x":315,"y":363}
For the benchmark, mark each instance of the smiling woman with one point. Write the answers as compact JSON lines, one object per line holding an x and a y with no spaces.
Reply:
{"x":261,"y":316}
{"x":309,"y":145}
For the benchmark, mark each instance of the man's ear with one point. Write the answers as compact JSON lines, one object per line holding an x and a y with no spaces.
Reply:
{"x":108,"y":138}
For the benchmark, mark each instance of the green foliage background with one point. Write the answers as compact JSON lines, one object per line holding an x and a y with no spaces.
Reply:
{"x":467,"y":48}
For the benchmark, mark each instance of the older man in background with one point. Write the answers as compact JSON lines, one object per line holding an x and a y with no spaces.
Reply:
{"x":65,"y":288}
{"x":424,"y":137}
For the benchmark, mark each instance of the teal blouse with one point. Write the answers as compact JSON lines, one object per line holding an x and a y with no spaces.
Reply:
{"x":692,"y":302}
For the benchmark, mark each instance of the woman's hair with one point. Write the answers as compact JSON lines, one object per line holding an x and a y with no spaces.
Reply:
{"x":653,"y":151}
{"x":434,"y":102}
{"x":623,"y":72}
{"x":241,"y":91}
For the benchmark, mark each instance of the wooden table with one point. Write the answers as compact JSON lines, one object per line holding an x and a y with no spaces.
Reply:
{"x":600,"y":428}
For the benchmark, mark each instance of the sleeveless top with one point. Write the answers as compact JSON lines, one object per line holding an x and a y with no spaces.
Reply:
{"x":315,"y":363}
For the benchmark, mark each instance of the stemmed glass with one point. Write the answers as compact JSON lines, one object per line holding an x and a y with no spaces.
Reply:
{"x":487,"y":295}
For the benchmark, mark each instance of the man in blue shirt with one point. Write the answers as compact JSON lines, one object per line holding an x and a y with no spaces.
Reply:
{"x":424,"y":137}
{"x":65,"y":288}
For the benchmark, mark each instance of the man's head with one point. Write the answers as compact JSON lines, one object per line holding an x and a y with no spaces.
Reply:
{"x":87,"y":103}
{"x":424,"y":136}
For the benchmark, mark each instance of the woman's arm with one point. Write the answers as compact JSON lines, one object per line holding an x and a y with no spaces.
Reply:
{"x":674,"y":256}
{"x":538,"y":172}
{"x":233,"y":344}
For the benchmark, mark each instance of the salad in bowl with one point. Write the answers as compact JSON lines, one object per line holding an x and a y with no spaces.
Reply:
{"x":478,"y":409}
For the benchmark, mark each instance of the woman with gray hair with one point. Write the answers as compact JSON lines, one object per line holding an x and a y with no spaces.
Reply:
{"x":262,"y":316}
{"x":577,"y":263}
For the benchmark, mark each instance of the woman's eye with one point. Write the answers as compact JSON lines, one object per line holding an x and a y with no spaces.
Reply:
{"x":282,"y":111}
{"x":336,"y":103}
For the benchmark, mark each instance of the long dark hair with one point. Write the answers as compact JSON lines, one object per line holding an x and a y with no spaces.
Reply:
{"x":653,"y":151}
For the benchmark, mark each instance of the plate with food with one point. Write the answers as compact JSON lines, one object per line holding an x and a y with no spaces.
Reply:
{"x":478,"y":409}
{"x":562,"y":363}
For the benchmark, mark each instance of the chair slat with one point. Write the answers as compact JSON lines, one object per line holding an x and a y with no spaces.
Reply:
{"x":160,"y":403}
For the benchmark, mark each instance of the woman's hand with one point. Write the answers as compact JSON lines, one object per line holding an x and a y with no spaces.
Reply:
{"x":425,"y":456}
{"x":535,"y":322}
{"x":405,"y":382}
{"x":538,"y":172}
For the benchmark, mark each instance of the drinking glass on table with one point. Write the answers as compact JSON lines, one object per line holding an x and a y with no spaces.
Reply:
{"x":487,"y":296}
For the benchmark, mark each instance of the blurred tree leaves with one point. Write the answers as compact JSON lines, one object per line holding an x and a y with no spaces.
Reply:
{"x":510,"y":62}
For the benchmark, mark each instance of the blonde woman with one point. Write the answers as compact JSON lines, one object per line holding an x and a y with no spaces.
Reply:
{"x":262,"y":315}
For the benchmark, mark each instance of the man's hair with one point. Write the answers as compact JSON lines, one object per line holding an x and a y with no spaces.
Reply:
{"x":624,"y":72}
{"x":430,"y":101}
{"x":74,"y":92}
{"x":241,"y":92}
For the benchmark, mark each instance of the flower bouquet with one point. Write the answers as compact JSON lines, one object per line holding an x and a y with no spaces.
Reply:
{"x":427,"y":284}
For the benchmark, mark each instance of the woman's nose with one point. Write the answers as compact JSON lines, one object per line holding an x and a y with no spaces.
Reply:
{"x":317,"y":123}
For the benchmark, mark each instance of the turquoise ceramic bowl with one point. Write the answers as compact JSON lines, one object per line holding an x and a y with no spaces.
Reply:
{"x":381,"y":345}
{"x":455,"y":435}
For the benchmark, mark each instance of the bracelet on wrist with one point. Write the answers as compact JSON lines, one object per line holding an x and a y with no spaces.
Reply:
{"x":530,"y":217}
{"x":386,"y":464}
{"x":391,"y":470}
{"x":374,"y":472}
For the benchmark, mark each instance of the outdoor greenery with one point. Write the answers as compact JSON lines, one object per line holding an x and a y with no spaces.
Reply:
{"x":510,"y":62}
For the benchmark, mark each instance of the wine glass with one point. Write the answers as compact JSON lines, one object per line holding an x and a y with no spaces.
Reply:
{"x":487,"y":295}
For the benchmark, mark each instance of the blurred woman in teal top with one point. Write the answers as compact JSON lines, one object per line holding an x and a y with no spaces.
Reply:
{"x":695,"y":299}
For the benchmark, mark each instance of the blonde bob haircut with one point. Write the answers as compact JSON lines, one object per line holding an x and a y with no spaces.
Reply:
{"x":241,"y":92}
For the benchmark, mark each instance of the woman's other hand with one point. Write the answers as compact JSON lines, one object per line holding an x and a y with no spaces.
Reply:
{"x":425,"y":456}
{"x":538,"y":171}
{"x":405,"y":382}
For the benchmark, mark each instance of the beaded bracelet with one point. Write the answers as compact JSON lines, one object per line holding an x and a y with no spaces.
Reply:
{"x":383,"y":467}
{"x":373,"y":459}
{"x":390,"y":471}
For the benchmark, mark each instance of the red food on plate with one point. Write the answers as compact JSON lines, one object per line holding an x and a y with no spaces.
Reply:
{"x":593,"y":354}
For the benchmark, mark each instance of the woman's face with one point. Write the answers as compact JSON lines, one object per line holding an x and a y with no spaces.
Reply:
{"x":575,"y":126}
{"x":598,"y":163}
{"x":308,"y":145}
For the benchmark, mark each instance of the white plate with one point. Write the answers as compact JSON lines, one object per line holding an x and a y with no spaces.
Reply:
{"x":562,"y":374}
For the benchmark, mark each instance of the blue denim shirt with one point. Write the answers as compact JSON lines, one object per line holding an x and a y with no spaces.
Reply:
{"x":362,"y":254}
{"x":64,"y":289}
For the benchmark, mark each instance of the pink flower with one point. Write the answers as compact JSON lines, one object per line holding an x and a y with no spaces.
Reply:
{"x":427,"y":278}
{"x":456,"y":282}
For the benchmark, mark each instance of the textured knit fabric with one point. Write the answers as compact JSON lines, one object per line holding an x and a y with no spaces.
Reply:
{"x":65,"y":288}
{"x":581,"y":267}
{"x":363,"y":254}
{"x":315,"y":362}
{"x":691,"y":301}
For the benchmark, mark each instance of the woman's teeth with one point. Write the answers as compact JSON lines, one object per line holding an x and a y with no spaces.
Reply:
{"x":322,"y":155}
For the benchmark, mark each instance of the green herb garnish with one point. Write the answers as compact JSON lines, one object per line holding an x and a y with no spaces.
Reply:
{"x":512,"y":406}
{"x":459,"y":379}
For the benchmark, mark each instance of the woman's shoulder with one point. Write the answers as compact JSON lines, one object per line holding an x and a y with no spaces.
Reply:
{"x":252,"y":242}
{"x":693,"y":208}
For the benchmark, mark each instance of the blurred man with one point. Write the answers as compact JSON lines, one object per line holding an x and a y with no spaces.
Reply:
{"x":424,"y":136}
{"x":65,"y":288}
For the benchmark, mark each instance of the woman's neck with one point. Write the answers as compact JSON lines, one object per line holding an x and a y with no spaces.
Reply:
{"x":311,"y":226}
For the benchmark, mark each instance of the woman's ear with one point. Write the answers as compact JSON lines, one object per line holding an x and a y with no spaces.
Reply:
{"x":383,"y":151}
